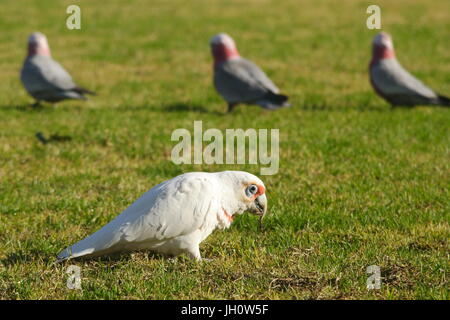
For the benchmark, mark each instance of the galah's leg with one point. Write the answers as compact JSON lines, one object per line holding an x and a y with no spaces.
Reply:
{"x":37,"y":104}
{"x":231,"y":106}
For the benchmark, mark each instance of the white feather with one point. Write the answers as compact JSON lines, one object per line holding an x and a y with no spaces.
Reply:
{"x":172,"y":217}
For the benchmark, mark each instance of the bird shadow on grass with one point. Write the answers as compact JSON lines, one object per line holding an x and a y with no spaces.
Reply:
{"x":186,"y":107}
{"x":52,"y":138}
{"x":22,"y":256}
{"x":318,"y":107}
{"x":34,"y":255}
{"x":24,"y":108}
{"x":121,"y":257}
{"x":172,"y":108}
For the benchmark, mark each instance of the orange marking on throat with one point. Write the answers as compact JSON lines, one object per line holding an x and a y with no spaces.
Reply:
{"x":229,"y":216}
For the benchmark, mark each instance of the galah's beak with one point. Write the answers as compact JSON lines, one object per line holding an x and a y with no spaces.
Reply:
{"x":259,"y":206}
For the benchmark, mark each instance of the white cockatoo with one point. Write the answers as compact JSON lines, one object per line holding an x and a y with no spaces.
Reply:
{"x":395,"y":84}
{"x":239,"y":80}
{"x":44,"y":78}
{"x":175,"y":216}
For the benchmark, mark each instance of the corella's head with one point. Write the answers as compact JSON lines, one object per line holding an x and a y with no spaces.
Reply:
{"x":38,"y":45}
{"x":223,"y":48}
{"x":383,"y":47}
{"x":244,"y":192}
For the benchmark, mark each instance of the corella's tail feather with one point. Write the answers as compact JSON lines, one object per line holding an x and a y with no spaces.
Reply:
{"x":65,"y":254}
{"x":69,"y":253}
{"x":97,"y":243}
{"x":73,"y":252}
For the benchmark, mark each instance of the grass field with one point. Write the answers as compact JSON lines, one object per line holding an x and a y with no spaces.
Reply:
{"x":359,"y":184}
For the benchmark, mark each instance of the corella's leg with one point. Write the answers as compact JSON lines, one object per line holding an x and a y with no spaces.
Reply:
{"x":189,"y":244}
{"x":194,"y":252}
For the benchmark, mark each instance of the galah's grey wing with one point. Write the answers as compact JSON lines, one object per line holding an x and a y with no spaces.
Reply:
{"x":398,"y":86}
{"x":240,"y":80}
{"x":174,"y":208}
{"x":46,"y":79}
{"x":258,"y":75}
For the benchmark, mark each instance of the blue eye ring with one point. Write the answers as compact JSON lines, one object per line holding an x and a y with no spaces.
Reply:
{"x":251,"y":190}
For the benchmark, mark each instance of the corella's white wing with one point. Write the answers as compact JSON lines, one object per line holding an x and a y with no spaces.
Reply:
{"x":172,"y":209}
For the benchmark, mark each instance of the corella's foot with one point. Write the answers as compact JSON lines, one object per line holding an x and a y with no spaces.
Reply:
{"x":194,"y":253}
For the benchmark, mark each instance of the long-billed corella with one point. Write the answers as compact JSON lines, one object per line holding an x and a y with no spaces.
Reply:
{"x":393,"y":83}
{"x":175,"y":216}
{"x":239,"y":80}
{"x":44,"y":78}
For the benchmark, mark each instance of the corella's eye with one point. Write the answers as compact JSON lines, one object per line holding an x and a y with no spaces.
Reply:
{"x":251,"y":190}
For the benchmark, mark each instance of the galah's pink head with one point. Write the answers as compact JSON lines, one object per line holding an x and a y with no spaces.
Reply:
{"x":223,"y":48}
{"x":383,"y":48}
{"x":37,"y":44}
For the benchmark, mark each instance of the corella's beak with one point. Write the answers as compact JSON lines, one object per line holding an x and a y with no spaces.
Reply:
{"x":259,"y":206}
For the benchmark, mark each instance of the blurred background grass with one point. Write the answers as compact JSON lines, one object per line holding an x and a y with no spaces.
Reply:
{"x":359,"y":184}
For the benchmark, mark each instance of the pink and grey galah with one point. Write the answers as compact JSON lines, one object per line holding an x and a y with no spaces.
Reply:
{"x":44,"y":78}
{"x":393,"y":83}
{"x":239,"y":80}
